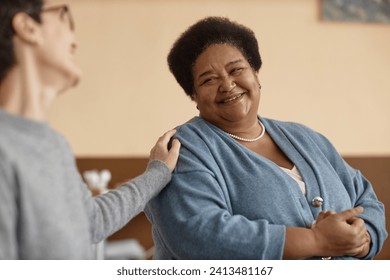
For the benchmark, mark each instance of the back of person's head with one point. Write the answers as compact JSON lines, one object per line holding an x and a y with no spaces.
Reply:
{"x":206,"y":32}
{"x":8,"y":9}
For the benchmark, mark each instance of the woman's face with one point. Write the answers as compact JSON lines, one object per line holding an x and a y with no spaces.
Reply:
{"x":227,"y":89}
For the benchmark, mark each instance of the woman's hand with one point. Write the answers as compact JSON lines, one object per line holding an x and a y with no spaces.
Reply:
{"x":162,"y":152}
{"x":366,"y":246}
{"x":342,"y":234}
{"x":323,"y":215}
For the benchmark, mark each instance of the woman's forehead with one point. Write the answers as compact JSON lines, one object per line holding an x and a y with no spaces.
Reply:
{"x":215,"y":51}
{"x":54,"y":2}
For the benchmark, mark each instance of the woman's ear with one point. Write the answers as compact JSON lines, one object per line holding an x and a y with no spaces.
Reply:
{"x":257,"y":78}
{"x":193,"y":98}
{"x":26,"y":28}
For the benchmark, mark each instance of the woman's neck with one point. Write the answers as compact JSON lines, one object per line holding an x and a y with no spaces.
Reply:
{"x":248,"y":127}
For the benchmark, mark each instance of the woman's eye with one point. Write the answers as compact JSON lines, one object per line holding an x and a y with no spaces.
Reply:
{"x":236,"y":70}
{"x":207,"y":81}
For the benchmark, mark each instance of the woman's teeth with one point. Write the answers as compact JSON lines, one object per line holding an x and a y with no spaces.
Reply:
{"x":233,"y":98}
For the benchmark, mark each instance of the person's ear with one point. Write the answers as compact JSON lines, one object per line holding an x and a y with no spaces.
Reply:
{"x":26,"y":28}
{"x":193,"y":98}
{"x":257,"y":78}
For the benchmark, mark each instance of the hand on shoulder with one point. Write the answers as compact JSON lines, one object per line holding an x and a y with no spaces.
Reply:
{"x":165,"y":152}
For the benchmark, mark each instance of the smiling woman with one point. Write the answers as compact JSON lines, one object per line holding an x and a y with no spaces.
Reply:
{"x":227,"y":90}
{"x":249,"y":187}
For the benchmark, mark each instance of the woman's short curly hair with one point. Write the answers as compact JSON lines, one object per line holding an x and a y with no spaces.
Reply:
{"x":204,"y":33}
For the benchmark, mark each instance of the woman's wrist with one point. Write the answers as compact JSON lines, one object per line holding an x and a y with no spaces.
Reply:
{"x":301,"y":243}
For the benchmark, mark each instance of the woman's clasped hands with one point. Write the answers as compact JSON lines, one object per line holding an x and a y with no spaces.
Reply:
{"x":342,"y":234}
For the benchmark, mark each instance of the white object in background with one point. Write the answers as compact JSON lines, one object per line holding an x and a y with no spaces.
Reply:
{"x":91,"y":177}
{"x":97,"y":180}
{"x":104,"y":179}
{"x":99,"y":250}
{"x":126,"y":249}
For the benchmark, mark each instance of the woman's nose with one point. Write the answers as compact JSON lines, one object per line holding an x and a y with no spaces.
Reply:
{"x":227,"y":84}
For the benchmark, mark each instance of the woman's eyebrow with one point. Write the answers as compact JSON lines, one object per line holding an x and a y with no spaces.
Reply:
{"x":228,"y":64}
{"x":233,"y":62}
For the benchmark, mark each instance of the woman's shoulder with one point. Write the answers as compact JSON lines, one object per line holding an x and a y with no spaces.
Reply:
{"x":302,"y":133}
{"x":194,"y":127}
{"x":289,"y":125}
{"x":194,"y":122}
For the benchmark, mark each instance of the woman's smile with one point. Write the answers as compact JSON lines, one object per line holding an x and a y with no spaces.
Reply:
{"x":231,"y":99}
{"x":226,"y":87}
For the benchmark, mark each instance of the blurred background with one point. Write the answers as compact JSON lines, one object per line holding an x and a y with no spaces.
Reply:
{"x":330,"y":73}
{"x":332,"y":76}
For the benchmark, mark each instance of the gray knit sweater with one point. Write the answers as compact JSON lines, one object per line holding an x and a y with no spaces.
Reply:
{"x":46,"y":210}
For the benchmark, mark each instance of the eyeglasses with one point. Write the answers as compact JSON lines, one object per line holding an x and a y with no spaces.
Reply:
{"x":65,"y":14}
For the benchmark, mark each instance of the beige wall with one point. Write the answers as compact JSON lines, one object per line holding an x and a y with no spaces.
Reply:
{"x":333,"y":77}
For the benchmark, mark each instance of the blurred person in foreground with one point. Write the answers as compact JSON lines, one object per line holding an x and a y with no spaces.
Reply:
{"x":249,"y":187}
{"x":46,"y":210}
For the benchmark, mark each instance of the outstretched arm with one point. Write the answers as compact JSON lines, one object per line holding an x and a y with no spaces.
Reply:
{"x":111,"y":211}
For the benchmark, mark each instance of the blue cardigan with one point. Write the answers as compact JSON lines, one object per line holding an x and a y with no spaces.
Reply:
{"x":227,"y":202}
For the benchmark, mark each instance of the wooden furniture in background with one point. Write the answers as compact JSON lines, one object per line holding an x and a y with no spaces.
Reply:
{"x":375,"y":169}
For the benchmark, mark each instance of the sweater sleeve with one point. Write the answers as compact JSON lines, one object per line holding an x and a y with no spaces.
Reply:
{"x":374,"y":212}
{"x":361,"y":193}
{"x":192,"y":219}
{"x":111,"y":211}
{"x":8,"y":211}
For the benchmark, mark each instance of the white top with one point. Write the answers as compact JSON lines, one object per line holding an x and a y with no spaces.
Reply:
{"x":294,"y":173}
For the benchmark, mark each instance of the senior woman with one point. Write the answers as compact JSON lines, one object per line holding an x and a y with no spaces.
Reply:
{"x":248,"y":187}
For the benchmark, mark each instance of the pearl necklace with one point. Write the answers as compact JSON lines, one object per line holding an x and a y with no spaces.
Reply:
{"x":249,"y":139}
